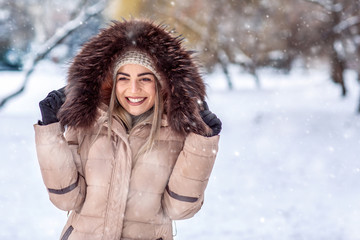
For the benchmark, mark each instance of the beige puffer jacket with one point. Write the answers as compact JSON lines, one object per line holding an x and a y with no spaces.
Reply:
{"x":112,"y":196}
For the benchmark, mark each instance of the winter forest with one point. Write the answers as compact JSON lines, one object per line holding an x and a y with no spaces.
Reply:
{"x":282,"y":75}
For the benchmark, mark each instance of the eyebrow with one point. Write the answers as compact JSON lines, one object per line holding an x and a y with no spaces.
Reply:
{"x":145,"y":73}
{"x":128,"y":75}
{"x":139,"y":75}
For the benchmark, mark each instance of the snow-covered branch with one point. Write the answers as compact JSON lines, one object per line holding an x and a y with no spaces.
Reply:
{"x":328,"y":6}
{"x":346,"y":24}
{"x":67,"y":29}
{"x":33,"y":58}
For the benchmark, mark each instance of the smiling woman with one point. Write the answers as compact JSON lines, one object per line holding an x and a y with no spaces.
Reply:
{"x":140,"y":142}
{"x":135,"y":88}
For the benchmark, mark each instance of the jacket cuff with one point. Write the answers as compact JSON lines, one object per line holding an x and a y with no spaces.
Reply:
{"x":201,"y":145}
{"x":49,"y":128}
{"x":43,"y":133}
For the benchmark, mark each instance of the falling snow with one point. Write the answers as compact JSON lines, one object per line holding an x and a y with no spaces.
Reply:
{"x":287,"y":165}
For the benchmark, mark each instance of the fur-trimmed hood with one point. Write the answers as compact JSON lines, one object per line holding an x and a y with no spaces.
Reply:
{"x":90,"y":75}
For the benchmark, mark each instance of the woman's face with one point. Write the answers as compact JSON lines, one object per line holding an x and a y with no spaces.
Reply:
{"x":135,"y":88}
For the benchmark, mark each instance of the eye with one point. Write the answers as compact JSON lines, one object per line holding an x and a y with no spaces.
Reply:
{"x":122,"y":78}
{"x":146,"y":79}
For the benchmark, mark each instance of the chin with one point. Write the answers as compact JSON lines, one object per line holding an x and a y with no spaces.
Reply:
{"x":136,"y":113}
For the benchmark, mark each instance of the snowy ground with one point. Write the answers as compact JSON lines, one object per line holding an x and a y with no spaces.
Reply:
{"x":288,"y":166}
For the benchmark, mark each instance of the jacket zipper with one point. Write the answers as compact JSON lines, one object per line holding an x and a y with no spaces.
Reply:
{"x":67,"y":233}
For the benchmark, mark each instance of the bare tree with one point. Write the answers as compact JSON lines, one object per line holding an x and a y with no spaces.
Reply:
{"x":342,"y":26}
{"x":14,"y":26}
{"x":33,"y":58}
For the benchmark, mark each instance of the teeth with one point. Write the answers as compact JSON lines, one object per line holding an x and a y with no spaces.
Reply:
{"x":135,"y":100}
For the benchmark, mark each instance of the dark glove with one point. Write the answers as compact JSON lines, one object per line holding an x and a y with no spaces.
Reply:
{"x":211,"y":120}
{"x":50,"y":106}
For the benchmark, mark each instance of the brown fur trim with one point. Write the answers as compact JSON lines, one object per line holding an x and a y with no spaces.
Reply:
{"x":89,"y":76}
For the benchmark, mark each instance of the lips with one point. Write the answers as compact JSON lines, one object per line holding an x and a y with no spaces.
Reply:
{"x":135,"y":101}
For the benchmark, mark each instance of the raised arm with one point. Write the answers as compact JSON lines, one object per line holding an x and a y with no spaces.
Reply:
{"x":184,"y":193}
{"x":57,"y":156}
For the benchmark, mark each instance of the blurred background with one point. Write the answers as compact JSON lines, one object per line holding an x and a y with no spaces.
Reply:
{"x":283,"y":75}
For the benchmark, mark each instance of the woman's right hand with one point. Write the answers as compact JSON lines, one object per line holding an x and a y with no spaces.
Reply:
{"x":50,"y":106}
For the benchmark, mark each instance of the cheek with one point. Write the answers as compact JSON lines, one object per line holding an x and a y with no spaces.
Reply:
{"x":152,"y":91}
{"x":118,"y":90}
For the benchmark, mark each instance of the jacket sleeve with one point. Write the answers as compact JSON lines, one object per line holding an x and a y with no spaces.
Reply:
{"x":66,"y":187}
{"x":184,"y":193}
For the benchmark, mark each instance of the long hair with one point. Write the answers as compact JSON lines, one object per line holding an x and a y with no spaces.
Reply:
{"x":153,"y":116}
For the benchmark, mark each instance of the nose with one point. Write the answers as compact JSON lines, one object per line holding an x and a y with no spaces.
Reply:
{"x":134,"y":86}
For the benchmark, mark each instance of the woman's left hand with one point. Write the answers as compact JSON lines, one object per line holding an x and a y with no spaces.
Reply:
{"x":211,"y":120}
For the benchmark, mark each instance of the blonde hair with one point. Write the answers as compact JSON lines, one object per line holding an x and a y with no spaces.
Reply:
{"x":154,"y":115}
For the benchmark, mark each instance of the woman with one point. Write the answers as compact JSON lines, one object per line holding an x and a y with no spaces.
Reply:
{"x":133,"y":145}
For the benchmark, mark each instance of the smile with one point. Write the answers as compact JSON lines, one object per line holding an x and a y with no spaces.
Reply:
{"x":135,"y":101}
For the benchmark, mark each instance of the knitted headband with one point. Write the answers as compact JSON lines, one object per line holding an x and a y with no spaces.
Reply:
{"x":136,"y":57}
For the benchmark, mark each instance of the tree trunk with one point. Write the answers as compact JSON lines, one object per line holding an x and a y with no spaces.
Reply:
{"x":225,"y":69}
{"x":337,"y":71}
{"x":252,"y":70}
